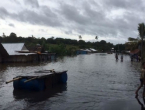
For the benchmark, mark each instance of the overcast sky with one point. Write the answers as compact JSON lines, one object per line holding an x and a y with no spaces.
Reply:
{"x":111,"y":20}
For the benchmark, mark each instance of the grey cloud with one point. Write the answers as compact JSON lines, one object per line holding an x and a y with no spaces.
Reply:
{"x":72,"y":14}
{"x":47,"y":12}
{"x":117,"y":3}
{"x":85,"y":17}
{"x":32,"y":3}
{"x":68,"y":32}
{"x":16,"y":1}
{"x":91,"y":18}
{"x":42,"y":30}
{"x":32,"y":17}
{"x":12,"y":25}
{"x":36,"y":18}
{"x":3,"y":13}
{"x":93,"y":13}
{"x":94,"y":22}
{"x":124,"y":4}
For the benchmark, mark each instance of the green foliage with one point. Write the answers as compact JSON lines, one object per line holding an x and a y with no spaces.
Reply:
{"x":60,"y":46}
{"x":58,"y":49}
{"x":71,"y":51}
{"x":141,"y":30}
{"x":13,"y":35}
{"x":132,"y":39}
{"x":119,"y":47}
{"x":81,"y":42}
{"x":133,"y":43}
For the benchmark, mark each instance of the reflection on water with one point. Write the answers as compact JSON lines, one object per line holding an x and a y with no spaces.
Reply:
{"x":33,"y":97}
{"x":141,"y":104}
{"x":95,"y":82}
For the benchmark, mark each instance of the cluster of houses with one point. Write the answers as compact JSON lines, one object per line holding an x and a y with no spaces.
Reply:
{"x":18,"y":52}
{"x":86,"y":51}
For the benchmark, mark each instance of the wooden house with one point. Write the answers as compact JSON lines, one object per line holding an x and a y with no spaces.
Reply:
{"x":17,"y":52}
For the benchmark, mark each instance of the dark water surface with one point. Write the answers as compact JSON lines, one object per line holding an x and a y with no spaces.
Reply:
{"x":95,"y":82}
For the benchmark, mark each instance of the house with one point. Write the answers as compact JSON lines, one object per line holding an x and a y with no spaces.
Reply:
{"x":82,"y":51}
{"x":135,"y":54}
{"x":112,"y":49}
{"x":86,"y":51}
{"x":93,"y":50}
{"x":18,"y":52}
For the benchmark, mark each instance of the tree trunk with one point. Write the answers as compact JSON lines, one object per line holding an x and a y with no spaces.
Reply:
{"x":141,"y":49}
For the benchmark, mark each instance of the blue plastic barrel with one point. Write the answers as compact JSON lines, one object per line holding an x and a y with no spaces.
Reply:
{"x":63,"y":78}
{"x":34,"y":85}
{"x":16,"y":84}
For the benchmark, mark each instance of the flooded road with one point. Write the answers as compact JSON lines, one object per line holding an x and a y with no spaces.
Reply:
{"x":95,"y":82}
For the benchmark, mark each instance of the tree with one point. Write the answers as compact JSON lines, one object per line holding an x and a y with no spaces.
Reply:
{"x":4,"y":35}
{"x":13,"y":35}
{"x":132,"y":39}
{"x":133,"y":43}
{"x":51,"y":40}
{"x":102,"y":42}
{"x":80,"y":37}
{"x":96,"y":37}
{"x":141,"y":30}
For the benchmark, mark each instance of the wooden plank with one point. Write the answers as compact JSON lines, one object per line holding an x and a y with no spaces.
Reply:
{"x":13,"y":80}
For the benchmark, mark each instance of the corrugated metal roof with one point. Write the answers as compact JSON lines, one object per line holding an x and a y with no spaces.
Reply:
{"x":92,"y":49}
{"x":135,"y":51}
{"x":3,"y":52}
{"x":88,"y":50}
{"x":11,"y":48}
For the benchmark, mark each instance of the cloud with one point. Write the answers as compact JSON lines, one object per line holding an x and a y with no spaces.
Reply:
{"x":3,"y":13}
{"x":104,"y":18}
{"x":94,"y":21}
{"x":42,"y":30}
{"x":87,"y":20}
{"x":12,"y":25}
{"x":73,"y":14}
{"x":16,"y":1}
{"x":45,"y":17}
{"x":123,"y":4}
{"x":32,"y":3}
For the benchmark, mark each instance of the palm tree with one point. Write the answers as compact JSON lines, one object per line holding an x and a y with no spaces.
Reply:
{"x":80,"y":37}
{"x":4,"y":35}
{"x":141,"y":30}
{"x":96,"y":37}
{"x":132,"y":39}
{"x":132,"y":43}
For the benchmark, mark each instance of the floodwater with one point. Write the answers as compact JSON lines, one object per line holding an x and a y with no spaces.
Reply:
{"x":95,"y":82}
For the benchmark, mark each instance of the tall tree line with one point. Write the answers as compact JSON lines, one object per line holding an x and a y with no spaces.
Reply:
{"x":30,"y":41}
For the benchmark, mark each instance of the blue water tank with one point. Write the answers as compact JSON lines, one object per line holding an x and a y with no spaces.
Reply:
{"x":63,"y":78}
{"x":34,"y":85}
{"x":16,"y":84}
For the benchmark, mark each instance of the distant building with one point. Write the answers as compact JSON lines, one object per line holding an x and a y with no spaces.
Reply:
{"x":135,"y":51}
{"x":135,"y":54}
{"x":112,"y":49}
{"x":86,"y":51}
{"x":81,"y":51}
{"x":17,"y":52}
{"x":93,"y":50}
